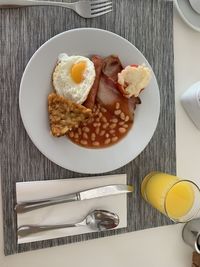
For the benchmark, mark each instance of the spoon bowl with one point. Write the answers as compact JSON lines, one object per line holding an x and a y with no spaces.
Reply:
{"x":102,"y":220}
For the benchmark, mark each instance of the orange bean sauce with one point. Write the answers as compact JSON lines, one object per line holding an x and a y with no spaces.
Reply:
{"x":103,"y":129}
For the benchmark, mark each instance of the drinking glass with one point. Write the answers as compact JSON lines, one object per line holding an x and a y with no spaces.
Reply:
{"x":176,"y":198}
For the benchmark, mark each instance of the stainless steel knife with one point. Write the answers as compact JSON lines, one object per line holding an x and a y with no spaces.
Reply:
{"x":102,"y":191}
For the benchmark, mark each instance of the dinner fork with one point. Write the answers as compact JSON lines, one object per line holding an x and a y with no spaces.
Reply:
{"x":86,"y":9}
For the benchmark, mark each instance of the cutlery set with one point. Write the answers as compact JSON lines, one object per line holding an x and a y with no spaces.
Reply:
{"x":98,"y":220}
{"x":85,"y":9}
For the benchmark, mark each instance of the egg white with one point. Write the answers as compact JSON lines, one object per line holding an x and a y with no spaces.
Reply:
{"x":63,"y":82}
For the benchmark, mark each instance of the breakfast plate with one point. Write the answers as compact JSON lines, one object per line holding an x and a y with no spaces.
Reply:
{"x":36,"y":85}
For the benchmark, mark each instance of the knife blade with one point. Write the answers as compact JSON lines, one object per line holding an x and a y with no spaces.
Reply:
{"x":96,"y":192}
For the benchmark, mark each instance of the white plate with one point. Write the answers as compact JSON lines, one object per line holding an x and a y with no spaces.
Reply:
{"x":188,"y":14}
{"x":36,"y":85}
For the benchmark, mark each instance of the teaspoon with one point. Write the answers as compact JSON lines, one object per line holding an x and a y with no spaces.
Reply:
{"x":97,"y":220}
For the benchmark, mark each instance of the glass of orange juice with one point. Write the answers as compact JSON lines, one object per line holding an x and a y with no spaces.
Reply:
{"x":176,"y":198}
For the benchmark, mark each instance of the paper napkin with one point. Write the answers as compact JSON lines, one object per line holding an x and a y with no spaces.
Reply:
{"x":68,"y":212}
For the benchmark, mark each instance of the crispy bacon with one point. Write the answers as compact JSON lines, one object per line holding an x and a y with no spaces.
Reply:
{"x":108,"y":95}
{"x":111,"y":67}
{"x":105,"y":88}
{"x":90,"y":101}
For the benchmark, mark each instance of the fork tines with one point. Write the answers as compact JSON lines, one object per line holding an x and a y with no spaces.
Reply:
{"x":100,"y":7}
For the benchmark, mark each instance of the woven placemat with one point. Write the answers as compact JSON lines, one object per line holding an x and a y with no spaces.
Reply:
{"x":148,"y":24}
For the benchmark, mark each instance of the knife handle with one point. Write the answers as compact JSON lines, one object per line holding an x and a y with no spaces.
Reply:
{"x":23,"y":207}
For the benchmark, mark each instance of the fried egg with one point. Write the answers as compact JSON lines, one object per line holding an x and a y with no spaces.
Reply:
{"x":73,"y":77}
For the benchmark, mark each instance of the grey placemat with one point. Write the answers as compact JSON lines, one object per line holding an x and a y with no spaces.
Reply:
{"x":148,"y":24}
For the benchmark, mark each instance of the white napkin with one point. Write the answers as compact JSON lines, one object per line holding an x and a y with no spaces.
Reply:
{"x":68,"y":212}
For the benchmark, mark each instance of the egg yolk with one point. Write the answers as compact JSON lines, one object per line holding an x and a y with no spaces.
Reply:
{"x":77,"y":71}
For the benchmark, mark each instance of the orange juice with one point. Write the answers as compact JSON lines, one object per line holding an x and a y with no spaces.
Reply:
{"x":179,"y":200}
{"x":168,"y":194}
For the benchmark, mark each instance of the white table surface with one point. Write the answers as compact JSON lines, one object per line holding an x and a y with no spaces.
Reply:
{"x":159,"y":247}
